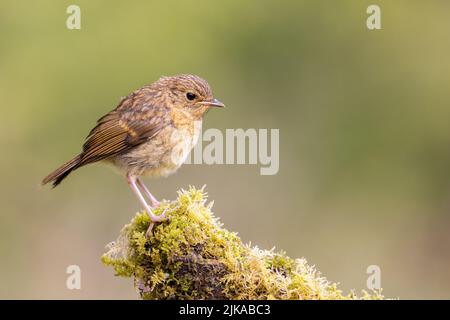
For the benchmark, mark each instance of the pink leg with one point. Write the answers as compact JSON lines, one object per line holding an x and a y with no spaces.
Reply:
{"x":154,"y":218}
{"x":155,"y":203}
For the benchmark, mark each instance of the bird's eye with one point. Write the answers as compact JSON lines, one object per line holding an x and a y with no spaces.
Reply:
{"x":190,"y":96}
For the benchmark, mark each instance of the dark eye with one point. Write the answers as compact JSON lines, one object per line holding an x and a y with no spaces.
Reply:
{"x":190,"y":96}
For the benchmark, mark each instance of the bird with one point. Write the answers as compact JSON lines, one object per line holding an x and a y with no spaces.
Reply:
{"x":149,"y":133}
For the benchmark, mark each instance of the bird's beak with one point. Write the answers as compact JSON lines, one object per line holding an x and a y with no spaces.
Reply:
{"x":213,"y":103}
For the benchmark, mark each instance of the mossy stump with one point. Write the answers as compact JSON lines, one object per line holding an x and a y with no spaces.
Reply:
{"x":192,"y":256}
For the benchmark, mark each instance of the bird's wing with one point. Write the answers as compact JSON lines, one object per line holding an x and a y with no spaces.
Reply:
{"x":120,"y":131}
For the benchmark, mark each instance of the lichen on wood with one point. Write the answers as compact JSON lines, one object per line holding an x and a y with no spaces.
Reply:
{"x":192,"y":256}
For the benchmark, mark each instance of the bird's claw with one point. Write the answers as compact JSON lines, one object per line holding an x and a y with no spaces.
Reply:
{"x":155,"y":219}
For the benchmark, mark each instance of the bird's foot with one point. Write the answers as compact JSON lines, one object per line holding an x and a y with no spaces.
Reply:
{"x":155,"y":203}
{"x":155,"y":219}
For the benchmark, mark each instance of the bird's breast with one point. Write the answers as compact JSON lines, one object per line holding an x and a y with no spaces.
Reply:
{"x":183,"y":140}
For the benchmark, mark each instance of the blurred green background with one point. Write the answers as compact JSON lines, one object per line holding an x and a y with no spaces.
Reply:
{"x":364,"y":119}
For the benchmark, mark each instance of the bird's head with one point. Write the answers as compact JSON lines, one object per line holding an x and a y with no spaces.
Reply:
{"x":188,"y":93}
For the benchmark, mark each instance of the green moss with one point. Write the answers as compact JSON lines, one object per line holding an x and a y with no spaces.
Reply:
{"x":192,"y":256}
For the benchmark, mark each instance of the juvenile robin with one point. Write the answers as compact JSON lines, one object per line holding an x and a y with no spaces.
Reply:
{"x":150,"y":133}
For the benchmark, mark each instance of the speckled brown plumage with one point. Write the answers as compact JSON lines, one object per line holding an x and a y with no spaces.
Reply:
{"x":150,"y":132}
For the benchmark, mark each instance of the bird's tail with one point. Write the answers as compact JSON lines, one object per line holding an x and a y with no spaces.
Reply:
{"x":63,"y":171}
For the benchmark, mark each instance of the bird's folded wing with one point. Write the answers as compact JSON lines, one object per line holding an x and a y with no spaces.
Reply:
{"x":119,"y":132}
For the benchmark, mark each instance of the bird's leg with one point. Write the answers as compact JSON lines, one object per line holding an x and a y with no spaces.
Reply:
{"x":153,"y":218}
{"x":155,"y":203}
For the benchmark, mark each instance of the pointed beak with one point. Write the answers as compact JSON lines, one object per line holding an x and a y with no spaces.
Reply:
{"x":213,"y":103}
